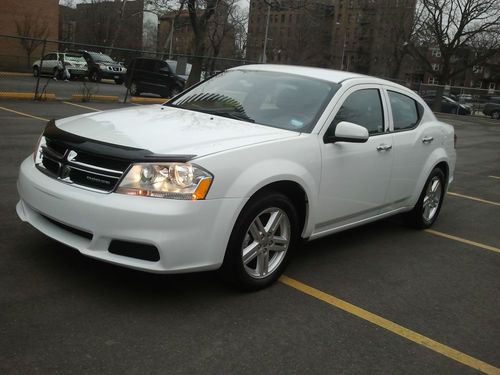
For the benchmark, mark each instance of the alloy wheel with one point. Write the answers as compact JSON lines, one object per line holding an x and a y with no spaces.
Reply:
{"x":266,"y":243}
{"x":432,"y":198}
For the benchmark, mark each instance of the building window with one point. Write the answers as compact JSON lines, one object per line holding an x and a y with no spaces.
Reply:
{"x":476,"y":69}
{"x":436,"y":52}
{"x":431,"y":81}
{"x":435,"y":67}
{"x":282,"y":18}
{"x":491,"y":86}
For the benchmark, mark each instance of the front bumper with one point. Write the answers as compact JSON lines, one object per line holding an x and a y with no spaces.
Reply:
{"x":112,"y":74}
{"x":78,"y":72}
{"x":189,"y":235}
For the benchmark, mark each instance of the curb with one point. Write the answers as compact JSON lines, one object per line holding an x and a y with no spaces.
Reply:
{"x":86,"y":98}
{"x":16,"y":74}
{"x":135,"y":99}
{"x":26,"y":95}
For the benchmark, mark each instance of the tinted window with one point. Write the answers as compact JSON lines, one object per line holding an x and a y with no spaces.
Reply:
{"x":149,"y":65}
{"x":405,"y":113}
{"x":50,"y":56}
{"x":364,"y":108}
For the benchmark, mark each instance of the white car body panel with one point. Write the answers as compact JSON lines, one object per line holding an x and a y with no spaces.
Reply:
{"x":345,"y":184}
{"x":166,"y":130}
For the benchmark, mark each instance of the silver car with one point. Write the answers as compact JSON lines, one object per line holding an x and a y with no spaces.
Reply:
{"x":75,"y":63}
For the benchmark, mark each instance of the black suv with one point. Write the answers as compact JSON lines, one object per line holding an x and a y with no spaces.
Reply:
{"x":152,"y":76}
{"x":102,"y":66}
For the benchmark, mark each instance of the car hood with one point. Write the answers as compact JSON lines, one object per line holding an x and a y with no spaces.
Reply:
{"x":166,"y":130}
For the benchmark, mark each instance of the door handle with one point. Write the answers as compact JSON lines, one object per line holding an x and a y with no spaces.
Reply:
{"x":427,"y":140}
{"x":384,"y":147}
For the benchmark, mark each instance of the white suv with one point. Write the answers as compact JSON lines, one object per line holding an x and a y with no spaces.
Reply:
{"x":233,"y":172}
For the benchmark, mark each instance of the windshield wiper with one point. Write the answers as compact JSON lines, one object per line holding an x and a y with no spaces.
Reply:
{"x":229,"y":113}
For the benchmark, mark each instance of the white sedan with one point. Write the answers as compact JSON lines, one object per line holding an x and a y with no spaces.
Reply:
{"x":233,"y":172}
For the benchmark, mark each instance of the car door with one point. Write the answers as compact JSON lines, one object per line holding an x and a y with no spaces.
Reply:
{"x":413,"y":141}
{"x":164,"y":76}
{"x":355,"y":176}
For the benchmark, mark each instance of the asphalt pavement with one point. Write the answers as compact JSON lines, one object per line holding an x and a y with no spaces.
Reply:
{"x":378,"y":299}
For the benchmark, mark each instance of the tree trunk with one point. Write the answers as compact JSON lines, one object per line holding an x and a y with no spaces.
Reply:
{"x":197,"y":62}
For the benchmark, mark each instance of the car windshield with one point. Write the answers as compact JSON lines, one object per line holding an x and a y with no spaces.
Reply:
{"x":280,"y":100}
{"x":101,"y":57}
{"x":74,"y":57}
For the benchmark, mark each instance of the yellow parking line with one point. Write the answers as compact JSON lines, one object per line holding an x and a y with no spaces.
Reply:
{"x":392,"y":327}
{"x":24,"y":114}
{"x":463,"y":240}
{"x":496,"y":177}
{"x":83,"y":106}
{"x":474,"y":198}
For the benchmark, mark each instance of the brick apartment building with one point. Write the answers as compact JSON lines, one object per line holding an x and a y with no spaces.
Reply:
{"x":30,"y":18}
{"x":364,"y":36}
{"x":97,"y":23}
{"x":483,"y":76}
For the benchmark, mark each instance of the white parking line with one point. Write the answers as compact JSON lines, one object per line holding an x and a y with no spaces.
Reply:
{"x":83,"y":106}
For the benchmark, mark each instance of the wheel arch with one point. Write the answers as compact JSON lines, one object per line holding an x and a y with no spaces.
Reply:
{"x":445,"y":168}
{"x":293,"y":191}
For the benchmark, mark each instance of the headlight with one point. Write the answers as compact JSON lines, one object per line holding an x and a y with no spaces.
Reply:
{"x":166,"y":180}
{"x":37,"y":154}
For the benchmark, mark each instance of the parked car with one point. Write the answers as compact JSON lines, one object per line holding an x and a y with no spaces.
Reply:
{"x":492,"y":109}
{"x":448,"y":105}
{"x":233,"y":172}
{"x":153,"y":76}
{"x":75,"y":63}
{"x":102,"y":66}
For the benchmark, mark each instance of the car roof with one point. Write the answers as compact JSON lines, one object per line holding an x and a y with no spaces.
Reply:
{"x":336,"y":76}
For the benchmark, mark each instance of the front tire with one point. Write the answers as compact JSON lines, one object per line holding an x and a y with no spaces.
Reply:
{"x":427,"y":209}
{"x":265,"y":234}
{"x":495,"y":115}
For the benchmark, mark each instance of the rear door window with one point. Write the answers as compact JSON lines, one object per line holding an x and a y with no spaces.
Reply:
{"x":405,"y":111}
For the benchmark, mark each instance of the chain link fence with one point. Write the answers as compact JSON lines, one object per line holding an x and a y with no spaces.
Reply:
{"x":43,"y":69}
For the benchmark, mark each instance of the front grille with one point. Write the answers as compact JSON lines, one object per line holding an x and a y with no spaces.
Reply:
{"x":81,"y":168}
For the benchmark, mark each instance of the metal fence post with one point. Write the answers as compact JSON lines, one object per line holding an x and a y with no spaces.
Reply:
{"x":128,"y":82}
{"x":40,"y":70}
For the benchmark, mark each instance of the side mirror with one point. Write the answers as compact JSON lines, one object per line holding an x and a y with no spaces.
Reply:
{"x":348,"y":132}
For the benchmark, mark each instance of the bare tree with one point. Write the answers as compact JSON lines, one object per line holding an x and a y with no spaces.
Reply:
{"x":222,"y":29}
{"x":31,"y":26}
{"x":200,"y":12}
{"x":466,"y":32}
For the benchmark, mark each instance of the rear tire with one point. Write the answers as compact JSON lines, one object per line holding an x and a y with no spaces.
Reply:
{"x":495,"y":115}
{"x":263,"y":238}
{"x":119,"y":81}
{"x":36,"y":71}
{"x":427,"y":209}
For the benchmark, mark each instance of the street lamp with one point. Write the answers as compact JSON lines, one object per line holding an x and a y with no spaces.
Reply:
{"x":264,"y":57}
{"x":343,"y":47}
